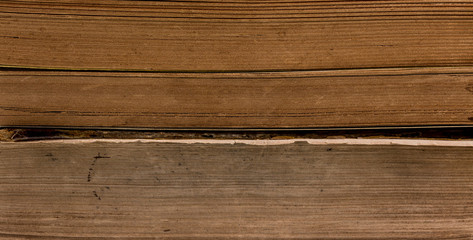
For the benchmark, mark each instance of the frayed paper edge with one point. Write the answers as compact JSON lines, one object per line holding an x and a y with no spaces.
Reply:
{"x":269,"y":142}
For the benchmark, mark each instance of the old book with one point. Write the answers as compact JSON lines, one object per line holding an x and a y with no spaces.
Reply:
{"x":228,"y":35}
{"x":249,"y":190}
{"x":308,"y":99}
